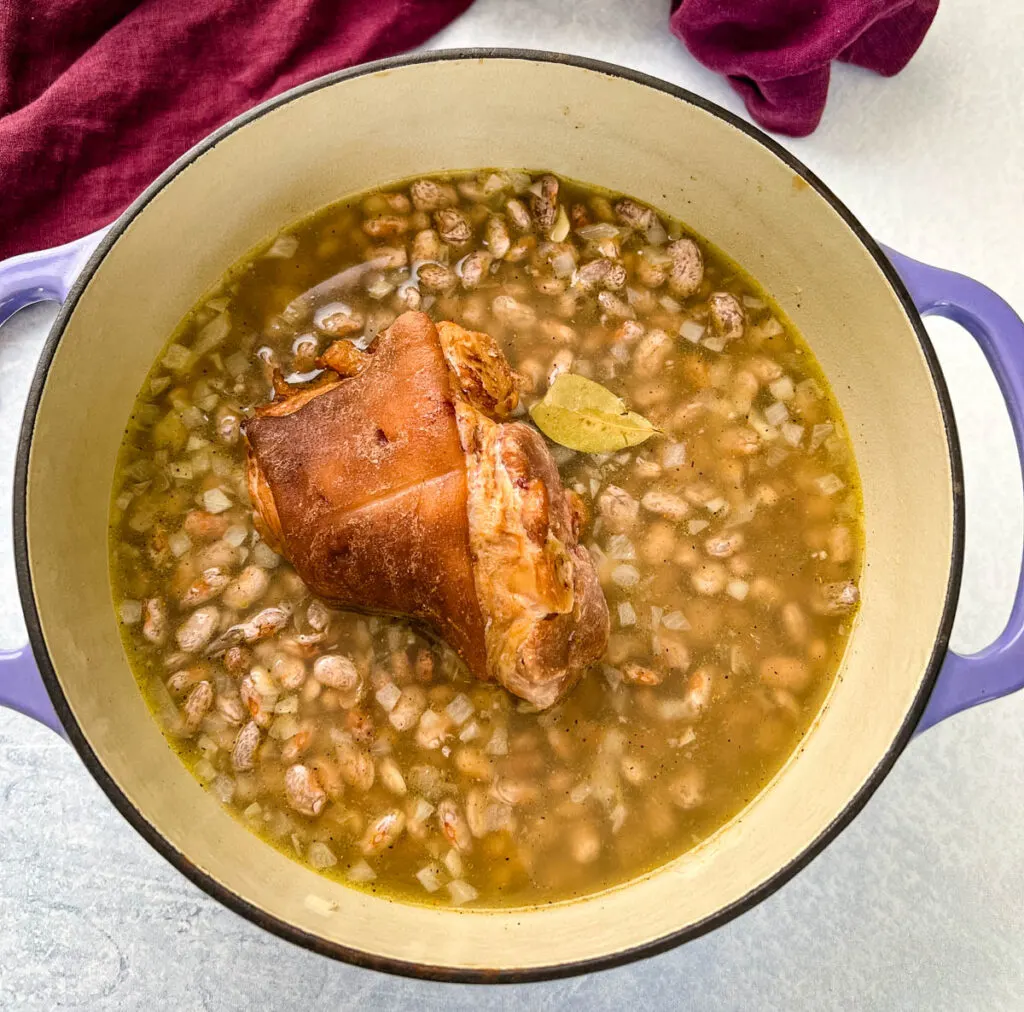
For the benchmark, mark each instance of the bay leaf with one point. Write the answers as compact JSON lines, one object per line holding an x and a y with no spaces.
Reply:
{"x":585,"y":416}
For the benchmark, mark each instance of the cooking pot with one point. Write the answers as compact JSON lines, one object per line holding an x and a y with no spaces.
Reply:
{"x":858,"y":305}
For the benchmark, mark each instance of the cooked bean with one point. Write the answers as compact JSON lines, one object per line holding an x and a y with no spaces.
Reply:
{"x":687,"y":271}
{"x":437,"y":278}
{"x":835,"y":598}
{"x":474,"y":268}
{"x":544,"y":204}
{"x":383,"y":832}
{"x":197,"y":705}
{"x":665,"y":504}
{"x":430,"y":195}
{"x":726,"y":315}
{"x":426,"y":245}
{"x":195,"y":632}
{"x":154,"y":622}
{"x":783,"y":672}
{"x":410,"y":706}
{"x":246,"y":589}
{"x":244,"y":749}
{"x":303,"y":790}
{"x":454,"y":826}
{"x":453,"y":226}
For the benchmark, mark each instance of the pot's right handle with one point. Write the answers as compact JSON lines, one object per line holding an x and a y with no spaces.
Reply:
{"x":998,"y":669}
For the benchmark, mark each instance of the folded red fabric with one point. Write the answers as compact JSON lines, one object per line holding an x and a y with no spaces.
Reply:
{"x":777,"y":53}
{"x":97,"y":97}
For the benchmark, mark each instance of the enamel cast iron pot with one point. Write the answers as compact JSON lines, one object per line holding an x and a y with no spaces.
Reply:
{"x":859,"y":307}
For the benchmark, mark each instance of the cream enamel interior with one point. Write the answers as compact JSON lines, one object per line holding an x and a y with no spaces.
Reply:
{"x":593,"y":127}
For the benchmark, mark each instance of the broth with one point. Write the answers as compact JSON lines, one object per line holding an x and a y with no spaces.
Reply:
{"x":728,"y":546}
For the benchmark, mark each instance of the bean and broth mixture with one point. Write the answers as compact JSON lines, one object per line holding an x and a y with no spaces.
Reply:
{"x":728,"y":545}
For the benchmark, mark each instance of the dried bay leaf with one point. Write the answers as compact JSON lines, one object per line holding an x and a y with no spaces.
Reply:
{"x":585,"y":416}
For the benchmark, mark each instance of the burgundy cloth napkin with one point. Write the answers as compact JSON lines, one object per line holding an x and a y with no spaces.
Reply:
{"x":97,"y":97}
{"x":777,"y":53}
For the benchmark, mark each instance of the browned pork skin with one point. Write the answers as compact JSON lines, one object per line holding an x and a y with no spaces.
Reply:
{"x":394,"y":486}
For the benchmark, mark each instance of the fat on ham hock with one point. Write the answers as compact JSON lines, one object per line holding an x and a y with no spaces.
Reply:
{"x":394,"y":485}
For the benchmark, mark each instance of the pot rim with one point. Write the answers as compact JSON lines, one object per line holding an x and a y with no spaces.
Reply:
{"x":316,"y":943}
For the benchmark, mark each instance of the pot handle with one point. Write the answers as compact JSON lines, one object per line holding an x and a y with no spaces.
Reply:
{"x":998,"y":669}
{"x":44,"y":276}
{"x":22,"y":689}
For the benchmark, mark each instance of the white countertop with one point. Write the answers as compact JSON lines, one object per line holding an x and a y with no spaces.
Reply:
{"x":918,"y":904}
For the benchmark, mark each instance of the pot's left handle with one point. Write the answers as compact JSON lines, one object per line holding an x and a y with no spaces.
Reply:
{"x":998,"y":669}
{"x":46,"y":276}
{"x":22,"y":689}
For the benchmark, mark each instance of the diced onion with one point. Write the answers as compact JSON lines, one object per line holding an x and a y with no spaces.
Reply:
{"x":320,"y":855}
{"x":776,"y":413}
{"x":205,"y":770}
{"x":430,"y":878}
{"x":714,"y":343}
{"x":422,"y":810}
{"x":192,"y":417}
{"x":460,"y":709}
{"x":461,"y":892}
{"x":674,"y":455}
{"x":625,"y":576}
{"x":236,"y":364}
{"x":751,"y":302}
{"x":829,"y":484}
{"x":738,"y":589}
{"x":215,"y":501}
{"x":695,"y":526}
{"x":224,"y":789}
{"x":627,"y":614}
{"x":498,"y":745}
{"x":284,"y":247}
{"x":264,"y":556}
{"x":212,"y":334}
{"x":387,"y":695}
{"x":131,"y":612}
{"x":692,"y":331}
{"x":453,"y":862}
{"x":621,"y":548}
{"x":236,"y":534}
{"x":580,"y":792}
{"x":675,"y":620}
{"x":656,"y":234}
{"x":820,"y":433}
{"x":361,"y":872}
{"x":599,"y":230}
{"x":177,"y":357}
{"x":284,"y":728}
{"x":675,"y":709}
{"x":470,"y":731}
{"x":669,"y":304}
{"x":782,"y":389}
{"x":716,"y":505}
{"x":563,"y":264}
{"x":793,"y":433}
